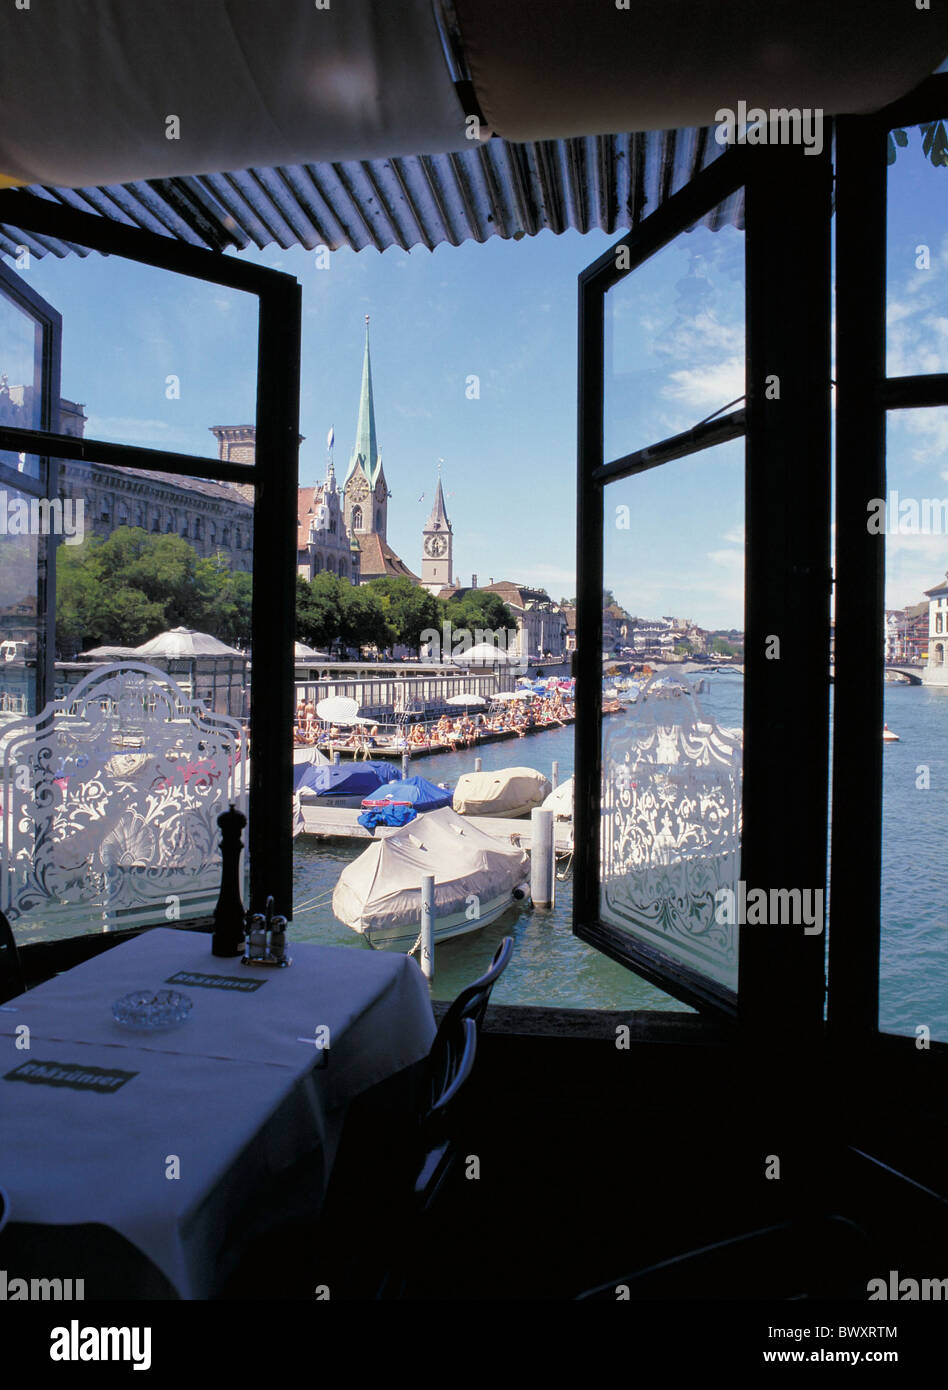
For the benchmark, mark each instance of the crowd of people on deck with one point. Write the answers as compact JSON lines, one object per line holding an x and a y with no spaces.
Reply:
{"x":552,"y":710}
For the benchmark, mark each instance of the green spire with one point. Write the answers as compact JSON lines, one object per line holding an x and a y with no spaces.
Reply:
{"x":366,"y":450}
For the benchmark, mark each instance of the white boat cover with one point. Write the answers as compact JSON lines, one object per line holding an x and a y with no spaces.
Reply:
{"x":560,"y":802}
{"x":382,"y":888}
{"x":510,"y":791}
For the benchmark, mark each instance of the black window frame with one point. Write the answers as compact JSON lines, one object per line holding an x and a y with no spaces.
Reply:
{"x":46,"y":484}
{"x":865,"y":395}
{"x":787,"y":247}
{"x":269,"y":835}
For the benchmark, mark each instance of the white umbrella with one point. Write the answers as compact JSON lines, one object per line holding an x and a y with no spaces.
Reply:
{"x":338,"y":709}
{"x":465,"y":700}
{"x":505,"y":696}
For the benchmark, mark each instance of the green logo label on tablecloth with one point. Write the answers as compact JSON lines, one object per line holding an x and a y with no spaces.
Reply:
{"x":71,"y":1074}
{"x":186,"y":977}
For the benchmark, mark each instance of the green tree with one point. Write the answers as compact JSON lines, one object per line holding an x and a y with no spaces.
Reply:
{"x":478,"y":610}
{"x":319,"y":609}
{"x":129,"y":587}
{"x":407,"y":609}
{"x":363,"y":619}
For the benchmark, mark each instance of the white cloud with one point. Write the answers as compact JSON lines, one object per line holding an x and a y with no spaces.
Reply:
{"x":710,"y":386}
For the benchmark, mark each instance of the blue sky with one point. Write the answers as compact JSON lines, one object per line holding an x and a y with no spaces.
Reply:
{"x":505,"y":312}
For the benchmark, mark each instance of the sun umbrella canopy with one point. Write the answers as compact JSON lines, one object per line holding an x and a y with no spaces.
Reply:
{"x":466,"y":699}
{"x":338,"y":709}
{"x":182,"y":642}
{"x":506,"y":696}
{"x":343,"y":779}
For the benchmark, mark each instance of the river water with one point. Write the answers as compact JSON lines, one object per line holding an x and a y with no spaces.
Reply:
{"x":552,"y":967}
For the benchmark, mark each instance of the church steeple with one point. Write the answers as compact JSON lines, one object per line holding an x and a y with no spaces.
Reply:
{"x":365,"y":490}
{"x":438,"y":520}
{"x":437,"y":545}
{"x":366,"y":452}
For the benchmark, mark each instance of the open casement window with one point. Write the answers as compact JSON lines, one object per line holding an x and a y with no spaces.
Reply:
{"x":30,"y":335}
{"x":704,"y":437}
{"x":122,"y":767}
{"x":891,"y":558}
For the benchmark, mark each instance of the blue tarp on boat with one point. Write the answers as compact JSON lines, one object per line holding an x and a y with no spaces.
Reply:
{"x":393,"y":814}
{"x":421,"y":793}
{"x":344,"y":779}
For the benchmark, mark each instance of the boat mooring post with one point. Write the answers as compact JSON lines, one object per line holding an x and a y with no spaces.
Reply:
{"x":555,"y":778}
{"x":427,"y":925}
{"x":477,"y":764}
{"x":405,"y":760}
{"x":336,"y":757}
{"x":542,"y":862}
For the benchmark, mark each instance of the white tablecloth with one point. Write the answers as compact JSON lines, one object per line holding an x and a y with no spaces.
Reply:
{"x":236,"y":1094}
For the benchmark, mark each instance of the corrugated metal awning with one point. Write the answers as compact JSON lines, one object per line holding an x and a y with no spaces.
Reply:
{"x":492,"y":188}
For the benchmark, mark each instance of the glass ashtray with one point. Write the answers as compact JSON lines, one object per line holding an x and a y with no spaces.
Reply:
{"x":145,"y":1009}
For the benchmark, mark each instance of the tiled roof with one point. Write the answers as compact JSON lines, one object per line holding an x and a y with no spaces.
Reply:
{"x":378,"y":559}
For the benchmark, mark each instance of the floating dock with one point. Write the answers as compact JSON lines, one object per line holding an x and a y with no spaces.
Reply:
{"x":342,"y":823}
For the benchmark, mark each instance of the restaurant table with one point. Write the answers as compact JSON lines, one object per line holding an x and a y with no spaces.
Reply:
{"x":165,"y":1136}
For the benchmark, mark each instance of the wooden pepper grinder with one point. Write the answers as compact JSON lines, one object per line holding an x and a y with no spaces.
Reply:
{"x":229,"y":915}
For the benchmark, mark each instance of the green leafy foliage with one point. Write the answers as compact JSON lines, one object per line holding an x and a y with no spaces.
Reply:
{"x":125,"y":589}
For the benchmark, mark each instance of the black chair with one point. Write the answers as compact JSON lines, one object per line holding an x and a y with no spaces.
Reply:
{"x":823,"y":1257}
{"x":11,"y":971}
{"x":473,"y":1000}
{"x":410,"y":1249}
{"x":450,"y":1064}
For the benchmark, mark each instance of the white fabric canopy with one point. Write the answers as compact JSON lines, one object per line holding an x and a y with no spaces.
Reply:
{"x":89,"y":88}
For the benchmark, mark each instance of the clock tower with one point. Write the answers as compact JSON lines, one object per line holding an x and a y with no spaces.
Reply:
{"x":437,"y":552}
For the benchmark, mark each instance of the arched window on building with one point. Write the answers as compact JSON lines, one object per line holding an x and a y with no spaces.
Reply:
{"x":939,"y":654}
{"x":156,"y":523}
{"x":199,"y":528}
{"x":938,"y":623}
{"x":317,"y":563}
{"x":185,"y":528}
{"x":169,"y":524}
{"x":357,"y":518}
{"x":121,"y":514}
{"x":342,"y":569}
{"x":212,"y":532}
{"x":105,"y":508}
{"x":237,"y":544}
{"x":140,"y":519}
{"x":329,"y":565}
{"x":332,"y":527}
{"x":225,"y":536}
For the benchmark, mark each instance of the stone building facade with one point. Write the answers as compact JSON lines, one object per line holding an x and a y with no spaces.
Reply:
{"x":214,"y":518}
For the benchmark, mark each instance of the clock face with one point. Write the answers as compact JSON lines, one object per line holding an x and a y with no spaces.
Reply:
{"x":436,"y":545}
{"x":359,"y":491}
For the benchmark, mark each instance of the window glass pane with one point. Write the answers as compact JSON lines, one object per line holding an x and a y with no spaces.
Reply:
{"x":149,"y":738}
{"x":672,"y":750}
{"x":21,"y":548}
{"x":153,"y":359}
{"x":914,"y":956}
{"x":21,"y":378}
{"x":674,"y":339}
{"x":917,"y":257}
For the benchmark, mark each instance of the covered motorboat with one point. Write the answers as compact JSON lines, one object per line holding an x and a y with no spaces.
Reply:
{"x":413,"y":791}
{"x":509,"y":791}
{"x":343,"y":784}
{"x":476,"y":879}
{"x":560,"y":801}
